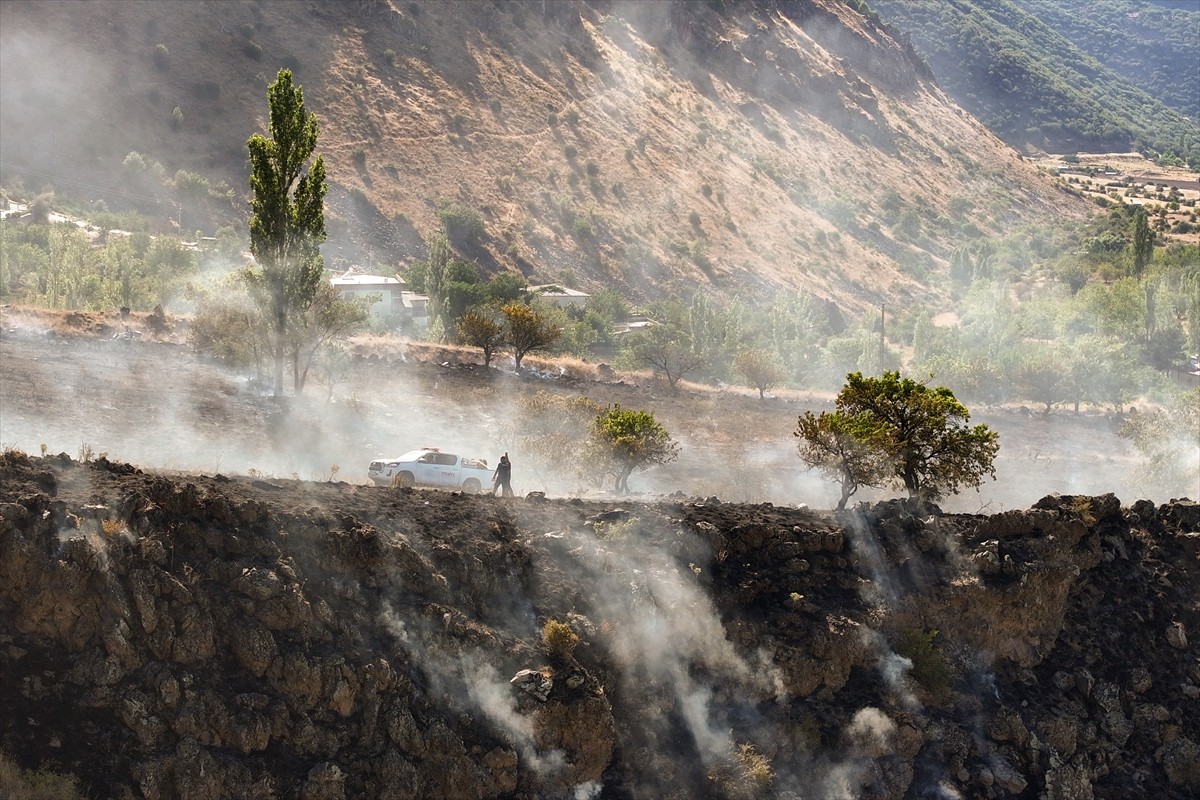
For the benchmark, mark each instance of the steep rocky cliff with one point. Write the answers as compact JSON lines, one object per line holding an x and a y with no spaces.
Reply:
{"x":204,"y":637}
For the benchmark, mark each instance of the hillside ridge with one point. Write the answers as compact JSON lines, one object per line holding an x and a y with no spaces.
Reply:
{"x":650,"y":147}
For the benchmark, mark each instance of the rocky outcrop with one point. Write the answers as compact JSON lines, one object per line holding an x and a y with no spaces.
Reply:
{"x":214,"y":637}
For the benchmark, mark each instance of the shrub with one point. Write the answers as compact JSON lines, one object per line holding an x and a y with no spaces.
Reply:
{"x":581,"y":229}
{"x":389,"y":56}
{"x":552,"y":119}
{"x":572,"y":117}
{"x":694,"y":219}
{"x":41,"y":784}
{"x":570,"y":151}
{"x":931,"y":669}
{"x":161,"y":55}
{"x":359,"y":157}
{"x":593,"y":169}
{"x":464,"y":226}
{"x":252,"y":50}
{"x":559,"y":639}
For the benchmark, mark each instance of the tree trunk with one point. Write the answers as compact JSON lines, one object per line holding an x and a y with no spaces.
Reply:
{"x":278,"y":364}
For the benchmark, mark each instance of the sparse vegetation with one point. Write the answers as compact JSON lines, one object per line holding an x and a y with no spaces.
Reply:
{"x":559,"y":639}
{"x":931,"y":669}
{"x":40,"y":784}
{"x":463,"y":225}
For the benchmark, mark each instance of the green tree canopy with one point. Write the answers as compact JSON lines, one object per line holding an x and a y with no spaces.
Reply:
{"x":918,"y":435}
{"x":287,"y":221}
{"x":629,"y":440}
{"x":829,"y":443}
{"x":666,"y":349}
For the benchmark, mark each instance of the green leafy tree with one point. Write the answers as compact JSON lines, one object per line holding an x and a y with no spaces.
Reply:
{"x":760,"y":368}
{"x":830,"y":443}
{"x":628,"y":441}
{"x":505,"y":287}
{"x":920,"y":433}
{"x":478,"y":328}
{"x":666,"y":349}
{"x":527,"y":330}
{"x":287,"y":221}
{"x":1169,"y":443}
{"x":435,"y":285}
{"x":1043,"y":376}
{"x":1143,"y":242}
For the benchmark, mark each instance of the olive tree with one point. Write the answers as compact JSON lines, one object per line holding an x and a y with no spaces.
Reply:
{"x":666,"y":349}
{"x":760,"y":368}
{"x":479,"y":328}
{"x":287,"y":220}
{"x":917,"y":436}
{"x":629,"y":440}
{"x":828,"y":443}
{"x":527,"y":330}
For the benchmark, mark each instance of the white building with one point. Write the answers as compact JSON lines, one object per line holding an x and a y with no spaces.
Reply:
{"x":559,"y":295}
{"x":386,"y":292}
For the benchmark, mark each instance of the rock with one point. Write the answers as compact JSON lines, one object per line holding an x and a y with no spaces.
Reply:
{"x":1180,"y":759}
{"x":1008,"y":778}
{"x":260,"y":584}
{"x":325,"y":781}
{"x":254,"y":646}
{"x":1140,"y":680}
{"x":1068,"y":782}
{"x":1177,"y":636}
{"x":533,"y":682}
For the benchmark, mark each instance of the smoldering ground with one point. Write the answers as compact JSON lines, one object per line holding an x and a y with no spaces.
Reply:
{"x":162,"y":406}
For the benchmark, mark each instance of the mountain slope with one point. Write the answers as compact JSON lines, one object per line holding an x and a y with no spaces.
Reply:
{"x":657,"y":147}
{"x":1047,"y":75}
{"x":1153,"y":47}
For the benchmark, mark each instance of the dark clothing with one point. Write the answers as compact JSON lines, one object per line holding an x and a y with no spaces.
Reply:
{"x":502,"y":476}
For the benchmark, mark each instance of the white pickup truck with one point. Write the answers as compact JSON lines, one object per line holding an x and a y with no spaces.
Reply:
{"x":431,"y":467}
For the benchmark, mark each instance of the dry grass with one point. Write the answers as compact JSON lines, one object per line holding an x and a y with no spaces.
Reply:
{"x":42,"y":784}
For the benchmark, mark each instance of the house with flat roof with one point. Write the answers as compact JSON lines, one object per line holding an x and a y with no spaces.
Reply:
{"x":392,"y":303}
{"x":559,"y":295}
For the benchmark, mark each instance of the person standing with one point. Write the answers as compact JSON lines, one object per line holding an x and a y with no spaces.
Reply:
{"x":502,"y":477}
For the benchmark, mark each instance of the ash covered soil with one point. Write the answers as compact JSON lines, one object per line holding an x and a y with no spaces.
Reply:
{"x":173,"y":636}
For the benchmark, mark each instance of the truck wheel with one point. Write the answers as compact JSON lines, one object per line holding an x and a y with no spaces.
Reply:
{"x":403,"y":480}
{"x":471,"y":486}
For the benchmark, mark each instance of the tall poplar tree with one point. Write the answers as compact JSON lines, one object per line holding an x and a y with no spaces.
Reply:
{"x":287,"y":221}
{"x":1143,"y":242}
